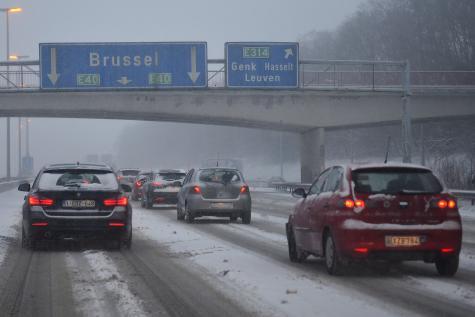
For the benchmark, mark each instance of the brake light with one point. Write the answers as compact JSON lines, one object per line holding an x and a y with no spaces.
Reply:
{"x":122,"y":201}
{"x":156,"y":184}
{"x":359,"y":203}
{"x":452,"y":204}
{"x":244,"y":189}
{"x":119,"y":177}
{"x":447,"y":250}
{"x":37,"y":201}
{"x":116,"y":224}
{"x":138,"y":183}
{"x":349,"y":203}
{"x":361,"y":250}
{"x":196,"y":189}
{"x":442,"y":204}
{"x":39,"y":224}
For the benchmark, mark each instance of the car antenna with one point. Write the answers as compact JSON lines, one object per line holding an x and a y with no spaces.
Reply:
{"x":387,"y":150}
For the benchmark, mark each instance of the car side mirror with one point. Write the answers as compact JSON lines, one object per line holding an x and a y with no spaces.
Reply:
{"x":24,"y":187}
{"x":299,"y":193}
{"x":126,"y":188}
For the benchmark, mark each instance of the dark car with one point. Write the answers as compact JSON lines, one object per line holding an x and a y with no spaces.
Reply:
{"x":70,"y":201}
{"x":162,"y":188}
{"x":127,"y":175}
{"x":220,"y":192}
{"x":140,"y":179}
{"x":383,"y":213}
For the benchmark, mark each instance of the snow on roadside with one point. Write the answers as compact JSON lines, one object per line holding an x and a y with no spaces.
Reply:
{"x":261,"y":283}
{"x":10,"y":216}
{"x":467,"y":211}
{"x":101,"y":282}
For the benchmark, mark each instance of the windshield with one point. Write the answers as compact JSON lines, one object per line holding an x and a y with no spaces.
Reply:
{"x":129,"y":172}
{"x":170,"y":176}
{"x":84,"y":179}
{"x":219,"y":176}
{"x":395,"y":181}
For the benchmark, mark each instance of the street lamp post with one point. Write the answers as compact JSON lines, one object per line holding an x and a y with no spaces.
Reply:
{"x":7,"y":13}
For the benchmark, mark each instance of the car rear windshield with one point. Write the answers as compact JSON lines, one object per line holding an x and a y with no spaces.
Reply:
{"x":170,"y":176}
{"x":129,"y":172}
{"x":219,"y":176}
{"x":395,"y":181}
{"x":84,"y":179}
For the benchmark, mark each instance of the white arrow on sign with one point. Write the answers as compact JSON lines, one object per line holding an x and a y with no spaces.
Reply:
{"x":124,"y":80}
{"x":288,"y":52}
{"x":193,"y":74}
{"x":53,"y":75}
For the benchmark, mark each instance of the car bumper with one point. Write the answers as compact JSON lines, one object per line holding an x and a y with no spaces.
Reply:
{"x":219,"y":207}
{"x":43,"y":224}
{"x":371,"y":242}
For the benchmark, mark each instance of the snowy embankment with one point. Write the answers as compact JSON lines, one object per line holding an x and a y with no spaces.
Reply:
{"x":10,"y":217}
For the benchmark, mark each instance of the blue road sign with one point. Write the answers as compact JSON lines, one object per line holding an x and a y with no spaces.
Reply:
{"x":123,"y":65}
{"x":262,"y":65}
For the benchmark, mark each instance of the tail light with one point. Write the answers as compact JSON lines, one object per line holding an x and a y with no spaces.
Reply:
{"x":443,"y":203}
{"x":39,"y":224}
{"x":138,"y":183}
{"x":34,"y":200}
{"x":119,"y":177}
{"x":350,"y":203}
{"x":244,"y":189}
{"x":156,"y":184}
{"x":116,"y":224}
{"x":122,"y":201}
{"x":361,"y":250}
{"x":196,"y":190}
{"x":447,"y":250}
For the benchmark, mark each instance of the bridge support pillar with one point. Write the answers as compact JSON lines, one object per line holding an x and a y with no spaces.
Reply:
{"x":312,"y":154}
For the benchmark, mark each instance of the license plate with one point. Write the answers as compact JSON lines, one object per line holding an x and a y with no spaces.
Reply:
{"x":79,"y":203}
{"x":222,"y":205}
{"x":403,"y":241}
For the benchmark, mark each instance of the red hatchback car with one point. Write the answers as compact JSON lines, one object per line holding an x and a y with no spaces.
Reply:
{"x":388,"y":213}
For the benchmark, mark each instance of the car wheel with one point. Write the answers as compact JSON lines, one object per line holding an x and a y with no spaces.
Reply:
{"x":447,"y":266}
{"x":142,"y":203}
{"x":246,"y":217}
{"x":134,"y":197}
{"x":232,"y":218}
{"x":127,"y":243}
{"x":189,"y":217}
{"x":332,"y":260}
{"x":25,"y":241}
{"x":179,"y":215}
{"x":295,"y":254}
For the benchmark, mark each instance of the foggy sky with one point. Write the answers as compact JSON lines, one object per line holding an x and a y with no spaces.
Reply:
{"x":213,"y":21}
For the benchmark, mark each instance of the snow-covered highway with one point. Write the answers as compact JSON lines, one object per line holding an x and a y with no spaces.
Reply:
{"x":215,"y":268}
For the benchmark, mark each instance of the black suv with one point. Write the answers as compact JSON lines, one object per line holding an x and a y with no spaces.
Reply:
{"x":69,"y":201}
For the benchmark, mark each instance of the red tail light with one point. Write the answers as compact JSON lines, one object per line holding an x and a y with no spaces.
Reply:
{"x":37,"y":201}
{"x":39,"y":224}
{"x":361,"y":250}
{"x":349,"y":203}
{"x":119,"y":177}
{"x":452,"y":204}
{"x":138,"y":183}
{"x":122,"y":201}
{"x":116,"y":224}
{"x":244,"y":189}
{"x":156,"y":184}
{"x":447,"y":250}
{"x":196,"y":190}
{"x":442,"y":204}
{"x":359,"y":203}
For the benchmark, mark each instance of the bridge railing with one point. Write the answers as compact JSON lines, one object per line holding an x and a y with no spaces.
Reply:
{"x":314,"y":74}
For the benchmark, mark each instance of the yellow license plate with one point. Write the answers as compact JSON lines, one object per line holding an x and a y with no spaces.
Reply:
{"x":403,"y":241}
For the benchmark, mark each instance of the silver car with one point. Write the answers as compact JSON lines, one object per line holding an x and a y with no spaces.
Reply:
{"x":217,"y":191}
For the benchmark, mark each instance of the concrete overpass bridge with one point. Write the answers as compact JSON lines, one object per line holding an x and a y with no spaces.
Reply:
{"x":307,"y":111}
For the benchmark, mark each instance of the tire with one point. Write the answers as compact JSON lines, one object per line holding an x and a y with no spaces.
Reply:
{"x":142,"y":203}
{"x":232,"y":218}
{"x":295,"y":254}
{"x":189,"y":217}
{"x":127,"y":243}
{"x":332,"y":259}
{"x":134,"y":197}
{"x":447,"y":266}
{"x":179,"y":215}
{"x":246,"y":217}
{"x":25,"y":241}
